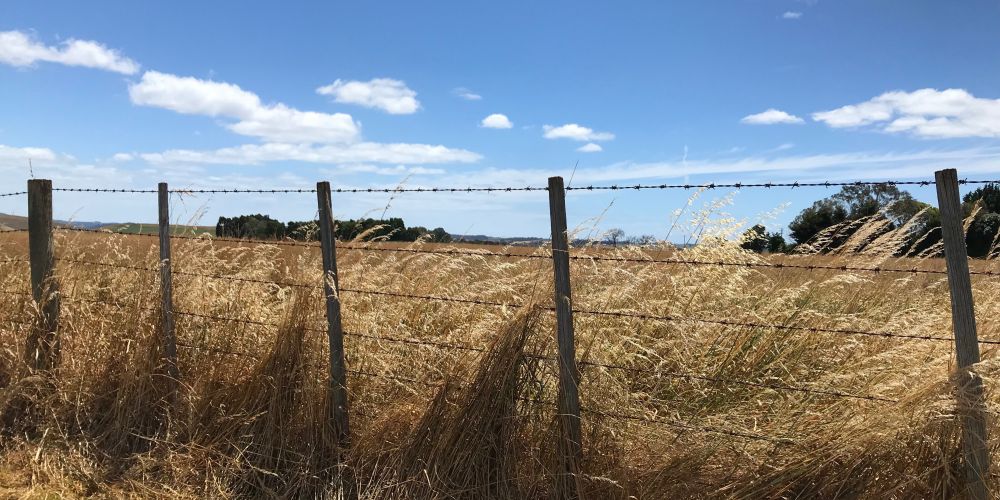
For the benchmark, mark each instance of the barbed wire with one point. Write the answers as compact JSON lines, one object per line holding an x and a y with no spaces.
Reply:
{"x":16,"y":193}
{"x":496,"y":189}
{"x":243,"y":191}
{"x":748,"y":383}
{"x":105,"y":190}
{"x":442,"y":345}
{"x":470,"y":253}
{"x":622,"y":416}
{"x":185,"y":237}
{"x":217,"y":350}
{"x":398,"y":340}
{"x":245,"y":280}
{"x":508,"y":189}
{"x":105,"y":264}
{"x":687,"y":426}
{"x":623,"y":314}
{"x":596,"y":258}
{"x":446,"y":345}
{"x":724,"y":322}
{"x":433,"y":297}
{"x":740,"y":185}
{"x":410,"y":380}
{"x":774,"y":265}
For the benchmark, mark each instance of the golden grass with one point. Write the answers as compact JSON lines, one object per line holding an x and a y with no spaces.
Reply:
{"x":251,"y":418}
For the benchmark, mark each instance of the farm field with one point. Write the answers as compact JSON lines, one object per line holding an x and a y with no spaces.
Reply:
{"x":179,"y":229}
{"x":456,"y":399}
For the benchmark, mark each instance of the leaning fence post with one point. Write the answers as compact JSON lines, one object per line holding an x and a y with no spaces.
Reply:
{"x":963,"y":318}
{"x":570,"y":447}
{"x":42,"y":349}
{"x":166,"y":288}
{"x":338,"y":370}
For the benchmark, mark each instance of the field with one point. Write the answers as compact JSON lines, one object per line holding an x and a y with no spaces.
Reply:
{"x":134,"y":228}
{"x":750,"y":388}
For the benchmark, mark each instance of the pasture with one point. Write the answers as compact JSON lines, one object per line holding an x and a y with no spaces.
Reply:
{"x":710,"y":381}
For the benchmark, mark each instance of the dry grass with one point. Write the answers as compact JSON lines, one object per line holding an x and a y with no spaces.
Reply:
{"x":251,"y":416}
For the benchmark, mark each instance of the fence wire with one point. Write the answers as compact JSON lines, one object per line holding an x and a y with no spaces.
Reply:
{"x":619,"y":314}
{"x":593,"y":258}
{"x":502,"y":189}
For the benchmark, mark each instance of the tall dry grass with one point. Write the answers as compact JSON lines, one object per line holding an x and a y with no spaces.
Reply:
{"x":251,"y":415}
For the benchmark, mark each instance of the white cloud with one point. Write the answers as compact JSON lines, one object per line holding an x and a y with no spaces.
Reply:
{"x":391,"y":96}
{"x":63,"y":169}
{"x":22,"y":50}
{"x":10,"y":155}
{"x":271,"y":122}
{"x":576,"y":133}
{"x":930,"y":113}
{"x":590,"y":147}
{"x":860,"y":165}
{"x":791,"y":15}
{"x":496,"y":120}
{"x":398,"y":170}
{"x":770,"y":117}
{"x":359,"y":153}
{"x":466,"y":94}
{"x":122,"y":157}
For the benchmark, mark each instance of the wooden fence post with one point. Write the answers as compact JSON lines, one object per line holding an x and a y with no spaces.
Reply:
{"x":963,"y":318}
{"x":335,"y":332}
{"x":166,"y":289}
{"x":570,"y":448}
{"x":42,"y":349}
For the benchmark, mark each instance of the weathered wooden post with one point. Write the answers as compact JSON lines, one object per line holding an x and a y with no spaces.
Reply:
{"x":963,"y":318}
{"x":42,"y":349}
{"x":570,"y":448}
{"x":166,"y":289}
{"x":335,"y":332}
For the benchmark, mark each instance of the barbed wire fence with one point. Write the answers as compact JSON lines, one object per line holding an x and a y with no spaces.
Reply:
{"x":45,"y":292}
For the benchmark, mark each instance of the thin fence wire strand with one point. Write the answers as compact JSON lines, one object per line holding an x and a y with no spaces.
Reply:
{"x":595,"y":258}
{"x":620,"y":314}
{"x":495,"y":189}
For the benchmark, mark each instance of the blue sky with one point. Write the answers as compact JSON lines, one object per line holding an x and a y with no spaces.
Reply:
{"x":372,"y":94}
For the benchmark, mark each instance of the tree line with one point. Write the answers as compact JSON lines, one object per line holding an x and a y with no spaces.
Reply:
{"x":837,"y":217}
{"x":263,"y":227}
{"x":834,"y":219}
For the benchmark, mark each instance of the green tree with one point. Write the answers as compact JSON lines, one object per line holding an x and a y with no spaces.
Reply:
{"x":988,"y":195}
{"x":255,"y":226}
{"x":821,"y":215}
{"x":439,"y":235}
{"x":776,"y":243}
{"x":983,"y":231}
{"x":866,"y":200}
{"x":754,"y":239}
{"x":303,"y":230}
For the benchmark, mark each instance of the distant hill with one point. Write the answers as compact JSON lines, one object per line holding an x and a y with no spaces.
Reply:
{"x":529,"y":241}
{"x":11,"y":222}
